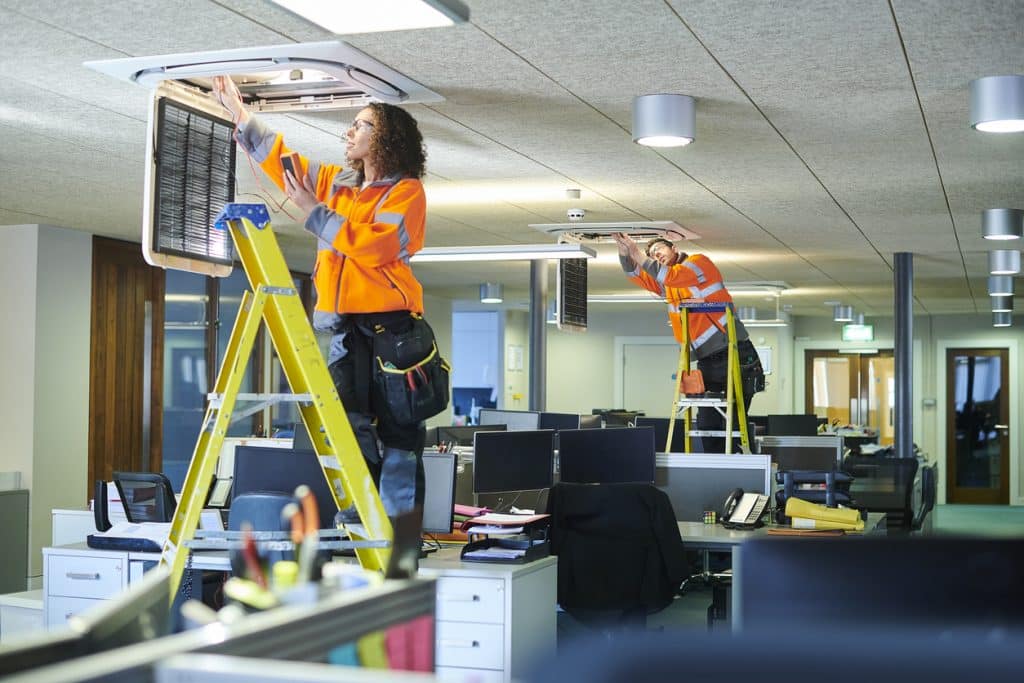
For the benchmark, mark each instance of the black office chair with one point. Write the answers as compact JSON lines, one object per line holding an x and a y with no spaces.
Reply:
{"x":929,"y":491}
{"x":620,"y":556}
{"x":884,"y":484}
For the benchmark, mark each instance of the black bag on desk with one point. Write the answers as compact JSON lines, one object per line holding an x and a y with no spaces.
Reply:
{"x":411,"y":376}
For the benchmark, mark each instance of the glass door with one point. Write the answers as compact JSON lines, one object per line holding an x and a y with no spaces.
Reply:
{"x":977,"y":426}
{"x":856,"y":389}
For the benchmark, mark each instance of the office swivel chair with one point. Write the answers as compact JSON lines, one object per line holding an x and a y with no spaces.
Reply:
{"x":620,"y":556}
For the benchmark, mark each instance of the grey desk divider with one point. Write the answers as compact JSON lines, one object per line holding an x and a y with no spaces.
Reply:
{"x":698,"y":482}
{"x":818,"y":453}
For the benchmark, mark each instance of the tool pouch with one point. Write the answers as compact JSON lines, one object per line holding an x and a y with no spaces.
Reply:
{"x":411,"y":376}
{"x":692,"y":383}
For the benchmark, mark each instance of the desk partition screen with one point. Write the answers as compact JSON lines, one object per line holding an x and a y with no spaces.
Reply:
{"x":695,"y":483}
{"x":514,"y":419}
{"x":817,"y":453}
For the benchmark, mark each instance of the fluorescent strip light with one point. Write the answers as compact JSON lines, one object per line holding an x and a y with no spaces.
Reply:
{"x":624,"y":299}
{"x":765,"y":323}
{"x":372,"y":16}
{"x":502,"y":252}
{"x":858,"y":350}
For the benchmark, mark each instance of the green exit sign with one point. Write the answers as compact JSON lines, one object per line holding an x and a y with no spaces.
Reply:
{"x":858,"y":333}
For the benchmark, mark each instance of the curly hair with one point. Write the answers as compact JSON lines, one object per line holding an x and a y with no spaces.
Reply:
{"x":396,"y":147}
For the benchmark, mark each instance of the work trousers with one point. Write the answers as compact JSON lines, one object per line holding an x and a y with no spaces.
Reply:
{"x":714,"y":369}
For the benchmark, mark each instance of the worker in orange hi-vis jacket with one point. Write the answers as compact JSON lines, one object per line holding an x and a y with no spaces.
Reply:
{"x":678,"y":277}
{"x":369,"y":218}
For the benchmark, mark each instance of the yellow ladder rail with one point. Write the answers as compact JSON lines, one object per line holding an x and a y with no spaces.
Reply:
{"x":276,"y":302}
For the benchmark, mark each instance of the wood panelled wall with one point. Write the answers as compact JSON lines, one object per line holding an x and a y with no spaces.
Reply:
{"x":122,"y":285}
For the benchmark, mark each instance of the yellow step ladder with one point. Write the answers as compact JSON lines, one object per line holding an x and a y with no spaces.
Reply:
{"x":275,"y":300}
{"x":684,"y":407}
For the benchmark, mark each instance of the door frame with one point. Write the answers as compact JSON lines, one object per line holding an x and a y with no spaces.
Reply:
{"x":1012,"y":347}
{"x":855,"y":373}
{"x":618,"y":357}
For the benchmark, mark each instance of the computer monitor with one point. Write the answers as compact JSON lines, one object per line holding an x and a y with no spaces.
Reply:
{"x":140,"y":613}
{"x":606,"y":456}
{"x":439,"y":492}
{"x":146,"y":496}
{"x":513,"y":419}
{"x":592,"y":421}
{"x":513,"y":461}
{"x":463,"y":435}
{"x":283,"y":470}
{"x":660,"y":426}
{"x":815,"y":453}
{"x":934,"y":584}
{"x":559,"y":421}
{"x":792,"y":425}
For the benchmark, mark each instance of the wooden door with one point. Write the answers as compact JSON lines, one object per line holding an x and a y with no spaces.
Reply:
{"x":977,"y":426}
{"x":125,"y":367}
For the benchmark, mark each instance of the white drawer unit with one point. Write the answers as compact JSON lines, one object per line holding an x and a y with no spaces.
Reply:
{"x":473,"y":600}
{"x":492,"y":620}
{"x":76,"y":577}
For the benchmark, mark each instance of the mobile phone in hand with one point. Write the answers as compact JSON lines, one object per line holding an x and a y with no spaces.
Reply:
{"x":290,"y":163}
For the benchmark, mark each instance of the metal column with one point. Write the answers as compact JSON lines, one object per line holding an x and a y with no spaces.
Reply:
{"x":903,"y":326}
{"x":538,"y":333}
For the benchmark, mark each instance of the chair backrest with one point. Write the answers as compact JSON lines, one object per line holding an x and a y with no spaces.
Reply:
{"x":884,"y":484}
{"x":618,"y":546}
{"x":262,"y":510}
{"x":928,"y":493}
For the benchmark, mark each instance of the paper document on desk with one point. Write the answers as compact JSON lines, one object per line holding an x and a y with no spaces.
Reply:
{"x":823,"y":524}
{"x":152,"y":531}
{"x":494,"y":530}
{"x":495,"y":553}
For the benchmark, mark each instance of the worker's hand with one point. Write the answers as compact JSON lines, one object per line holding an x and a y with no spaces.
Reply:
{"x":300,"y":192}
{"x":226,"y":92}
{"x":623,"y":242}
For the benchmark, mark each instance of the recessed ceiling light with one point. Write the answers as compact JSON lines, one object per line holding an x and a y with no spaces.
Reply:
{"x":372,"y":16}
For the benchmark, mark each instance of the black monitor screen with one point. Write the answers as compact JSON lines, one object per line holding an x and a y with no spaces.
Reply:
{"x":934,"y":583}
{"x":283,"y":470}
{"x":513,"y":461}
{"x":463,"y":436}
{"x":559,"y":421}
{"x":606,"y":456}
{"x":513,"y":419}
{"x":590,"y":422}
{"x":792,"y":425}
{"x":439,"y":492}
{"x":660,"y":425}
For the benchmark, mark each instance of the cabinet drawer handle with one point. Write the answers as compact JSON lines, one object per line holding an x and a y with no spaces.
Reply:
{"x":82,"y":576}
{"x":459,"y":643}
{"x":460,"y":598}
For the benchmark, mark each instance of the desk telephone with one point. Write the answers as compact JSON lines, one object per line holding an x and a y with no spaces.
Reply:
{"x":744,"y":510}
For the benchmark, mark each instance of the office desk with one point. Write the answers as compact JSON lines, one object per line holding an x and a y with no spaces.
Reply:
{"x":709,"y":538}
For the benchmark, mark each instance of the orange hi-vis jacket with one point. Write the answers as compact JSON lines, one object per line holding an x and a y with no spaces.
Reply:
{"x":694,"y":278}
{"x":365,"y":236}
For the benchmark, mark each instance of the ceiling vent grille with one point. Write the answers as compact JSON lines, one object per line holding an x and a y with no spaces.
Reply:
{"x":601,"y":232}
{"x":298,"y":76}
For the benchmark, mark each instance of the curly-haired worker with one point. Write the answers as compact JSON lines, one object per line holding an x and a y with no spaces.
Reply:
{"x":369,"y":218}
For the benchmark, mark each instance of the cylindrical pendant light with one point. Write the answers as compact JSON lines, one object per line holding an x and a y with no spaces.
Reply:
{"x":1000,"y":285}
{"x":842,"y":313}
{"x":1002,"y":319}
{"x":997,"y":104}
{"x":1002,"y":303}
{"x":664,"y":120}
{"x":746,"y":313}
{"x":490,"y":293}
{"x":1004,"y":262}
{"x":1002,"y":224}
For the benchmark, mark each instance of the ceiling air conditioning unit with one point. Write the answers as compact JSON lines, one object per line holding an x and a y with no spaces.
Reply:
{"x":294,"y":77}
{"x":601,"y":232}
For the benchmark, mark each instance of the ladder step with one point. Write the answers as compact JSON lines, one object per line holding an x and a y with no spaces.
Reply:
{"x":711,"y":432}
{"x":706,"y":402}
{"x":217,"y":399}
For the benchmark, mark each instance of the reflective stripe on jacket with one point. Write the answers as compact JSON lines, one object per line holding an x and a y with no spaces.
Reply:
{"x":695,"y":278}
{"x":365,"y":237}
